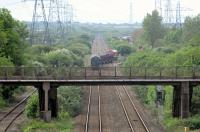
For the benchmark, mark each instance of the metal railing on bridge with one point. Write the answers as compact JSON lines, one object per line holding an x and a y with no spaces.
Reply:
{"x":67,"y":73}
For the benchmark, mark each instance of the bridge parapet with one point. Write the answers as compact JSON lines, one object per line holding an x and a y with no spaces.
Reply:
{"x":67,"y":73}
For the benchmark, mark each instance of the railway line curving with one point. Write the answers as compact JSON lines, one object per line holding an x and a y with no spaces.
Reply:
{"x":7,"y":119}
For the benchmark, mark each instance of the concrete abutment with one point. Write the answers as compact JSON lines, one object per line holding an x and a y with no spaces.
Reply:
{"x":182,"y":100}
{"x":48,"y":105}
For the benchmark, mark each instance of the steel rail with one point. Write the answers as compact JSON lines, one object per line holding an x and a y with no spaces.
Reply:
{"x":89,"y":108}
{"x":14,"y":108}
{"x":125,"y":111}
{"x":10,"y":123}
{"x":136,"y":110}
{"x":100,"y":120}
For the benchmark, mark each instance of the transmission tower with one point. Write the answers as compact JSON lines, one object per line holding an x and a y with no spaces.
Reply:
{"x":69,"y":16}
{"x":158,"y":6}
{"x":178,"y":15}
{"x":168,"y":17}
{"x":50,"y":21}
{"x":131,"y":12}
{"x":56,"y":28}
{"x":39,"y":32}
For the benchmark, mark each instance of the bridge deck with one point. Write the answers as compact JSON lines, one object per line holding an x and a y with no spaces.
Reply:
{"x":103,"y":75}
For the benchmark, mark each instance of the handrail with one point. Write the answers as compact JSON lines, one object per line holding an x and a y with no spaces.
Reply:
{"x":144,"y":72}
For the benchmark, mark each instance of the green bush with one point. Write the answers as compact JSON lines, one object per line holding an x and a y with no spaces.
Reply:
{"x":7,"y":92}
{"x":31,"y":109}
{"x":70,"y":99}
{"x":192,"y":122}
{"x":2,"y":102}
{"x":79,"y":49}
{"x":63,"y":115}
{"x":124,"y":49}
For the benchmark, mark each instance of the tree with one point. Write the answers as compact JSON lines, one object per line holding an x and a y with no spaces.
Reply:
{"x":12,"y":37}
{"x":62,"y":57}
{"x":191,"y":27}
{"x":79,"y":49}
{"x":173,"y":36}
{"x":124,"y":49}
{"x":153,"y":28}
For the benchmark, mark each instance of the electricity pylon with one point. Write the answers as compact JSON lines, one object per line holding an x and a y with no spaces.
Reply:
{"x":39,"y":31}
{"x":55,"y":25}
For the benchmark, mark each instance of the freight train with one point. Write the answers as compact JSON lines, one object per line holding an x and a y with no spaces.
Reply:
{"x":99,"y":60}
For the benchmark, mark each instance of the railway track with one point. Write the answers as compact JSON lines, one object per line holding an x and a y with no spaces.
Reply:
{"x":93,"y":119}
{"x":7,"y":119}
{"x":134,"y":119}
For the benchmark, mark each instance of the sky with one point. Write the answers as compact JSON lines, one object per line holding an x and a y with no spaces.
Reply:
{"x":99,"y":11}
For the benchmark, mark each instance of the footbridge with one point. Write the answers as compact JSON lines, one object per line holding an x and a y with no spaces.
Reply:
{"x":48,"y":79}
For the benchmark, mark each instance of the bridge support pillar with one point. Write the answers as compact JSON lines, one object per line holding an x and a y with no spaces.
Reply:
{"x":176,"y":101}
{"x":48,"y":101}
{"x":185,"y":99}
{"x":53,"y":103}
{"x":45,"y":113}
{"x":181,"y":100}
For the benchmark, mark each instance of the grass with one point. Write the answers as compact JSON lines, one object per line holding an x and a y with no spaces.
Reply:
{"x":2,"y":103}
{"x":36,"y":125}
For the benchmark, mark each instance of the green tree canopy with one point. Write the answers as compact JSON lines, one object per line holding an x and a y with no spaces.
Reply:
{"x":124,"y":49}
{"x":79,"y":49}
{"x":153,"y":28}
{"x":5,"y":62}
{"x":191,"y":27}
{"x":62,"y":57}
{"x":12,"y":37}
{"x":186,"y":56}
{"x":144,"y":58}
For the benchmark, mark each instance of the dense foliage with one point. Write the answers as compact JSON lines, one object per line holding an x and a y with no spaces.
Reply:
{"x":70,"y":100}
{"x":12,"y":36}
{"x":153,"y":29}
{"x":12,"y":44}
{"x":32,"y":107}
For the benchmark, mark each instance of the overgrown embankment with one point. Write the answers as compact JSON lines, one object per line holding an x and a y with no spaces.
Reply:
{"x":69,"y":54}
{"x":160,"y":46}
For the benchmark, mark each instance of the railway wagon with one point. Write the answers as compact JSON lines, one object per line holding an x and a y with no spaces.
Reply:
{"x":107,"y":58}
{"x":114,"y":53}
{"x":99,"y":60}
